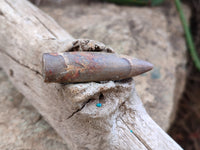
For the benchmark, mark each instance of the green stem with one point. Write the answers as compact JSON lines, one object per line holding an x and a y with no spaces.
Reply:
{"x":188,"y":35}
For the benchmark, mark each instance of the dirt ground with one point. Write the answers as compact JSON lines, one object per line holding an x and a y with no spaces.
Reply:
{"x":186,"y":128}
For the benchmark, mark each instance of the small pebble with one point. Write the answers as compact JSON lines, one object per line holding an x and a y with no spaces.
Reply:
{"x":98,"y":104}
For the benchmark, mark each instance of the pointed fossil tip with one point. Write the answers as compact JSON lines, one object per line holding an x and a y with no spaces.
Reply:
{"x":147,"y":66}
{"x":140,"y":66}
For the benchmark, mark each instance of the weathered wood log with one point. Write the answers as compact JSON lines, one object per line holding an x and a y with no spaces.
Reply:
{"x":121,"y":123}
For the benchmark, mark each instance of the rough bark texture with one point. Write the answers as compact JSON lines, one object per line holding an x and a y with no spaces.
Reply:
{"x":121,"y":123}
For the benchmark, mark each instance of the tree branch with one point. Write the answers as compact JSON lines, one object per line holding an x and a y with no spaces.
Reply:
{"x":121,"y":123}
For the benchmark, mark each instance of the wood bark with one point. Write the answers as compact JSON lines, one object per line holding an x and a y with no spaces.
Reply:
{"x":121,"y":123}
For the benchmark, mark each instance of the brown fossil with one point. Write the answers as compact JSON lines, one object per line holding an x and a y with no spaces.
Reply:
{"x":73,"y":67}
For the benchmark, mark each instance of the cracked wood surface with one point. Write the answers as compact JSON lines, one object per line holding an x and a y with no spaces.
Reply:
{"x":121,"y":123}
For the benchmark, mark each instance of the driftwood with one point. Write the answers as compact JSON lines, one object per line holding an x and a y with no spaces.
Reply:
{"x":121,"y":123}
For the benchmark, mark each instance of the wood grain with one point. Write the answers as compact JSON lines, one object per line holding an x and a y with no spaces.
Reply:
{"x":121,"y":123}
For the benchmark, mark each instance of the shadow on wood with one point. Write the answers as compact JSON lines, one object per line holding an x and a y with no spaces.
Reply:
{"x":121,"y":123}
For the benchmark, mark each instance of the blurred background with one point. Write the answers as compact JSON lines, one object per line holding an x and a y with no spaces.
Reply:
{"x":149,"y":30}
{"x":186,"y":127}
